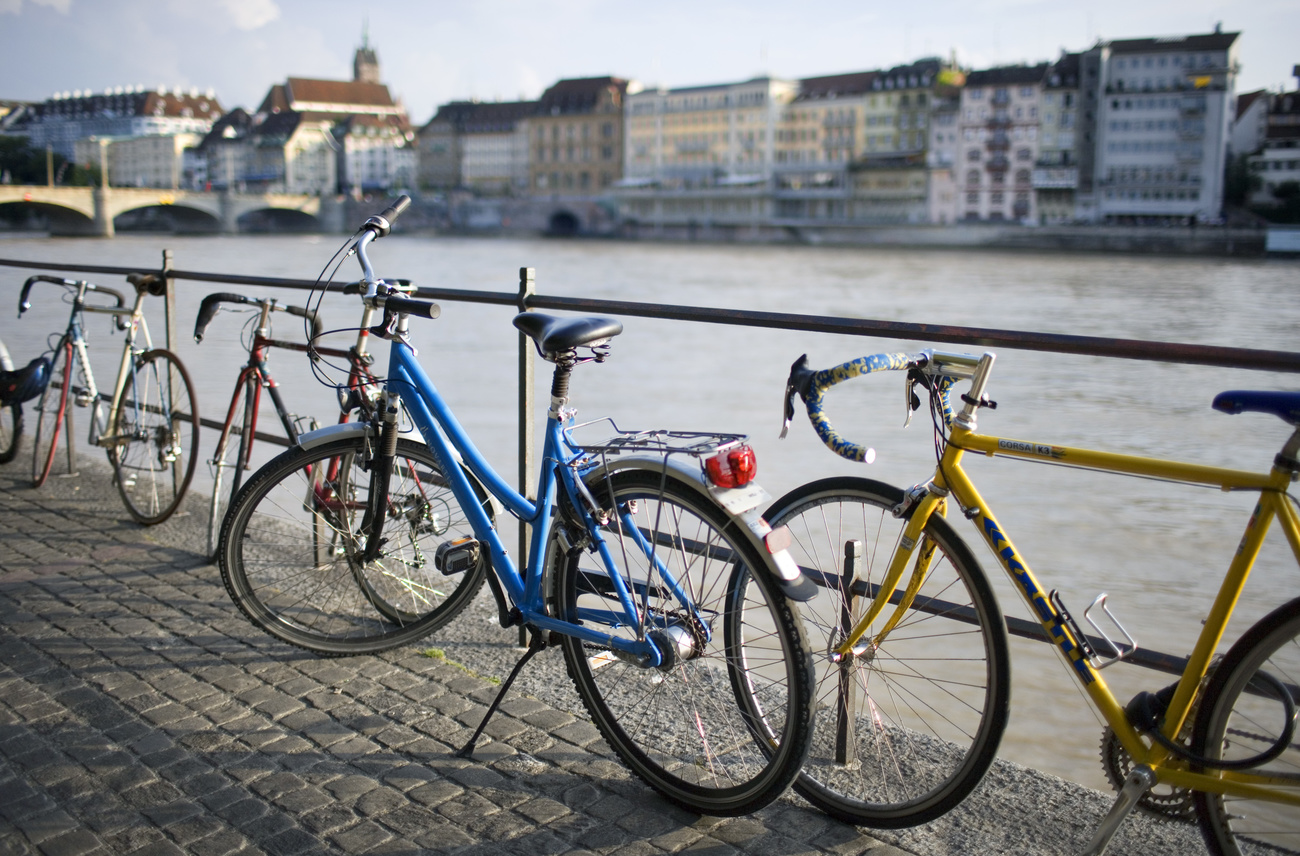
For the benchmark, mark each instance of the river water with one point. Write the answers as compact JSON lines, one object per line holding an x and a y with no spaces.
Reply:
{"x":1157,"y":549}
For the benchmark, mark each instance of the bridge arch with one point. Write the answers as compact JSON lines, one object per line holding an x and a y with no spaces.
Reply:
{"x":563,"y":224}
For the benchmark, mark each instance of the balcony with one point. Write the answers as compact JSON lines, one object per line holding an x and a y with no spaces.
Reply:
{"x":997,"y":163}
{"x":998,"y":142}
{"x":1001,"y":97}
{"x":999,"y":120}
{"x":1055,"y":178}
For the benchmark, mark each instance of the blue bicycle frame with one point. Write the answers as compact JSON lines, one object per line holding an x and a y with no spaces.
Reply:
{"x":451,"y":445}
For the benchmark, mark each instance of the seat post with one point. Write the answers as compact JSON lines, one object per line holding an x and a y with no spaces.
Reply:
{"x":564,"y":363}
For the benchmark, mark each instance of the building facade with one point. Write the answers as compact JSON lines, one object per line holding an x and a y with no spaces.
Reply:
{"x":1277,"y":163}
{"x":1166,"y":107}
{"x":1056,"y":170}
{"x":61,"y":120}
{"x":157,"y":161}
{"x":576,"y":137}
{"x":999,"y":142}
{"x":483,"y":146}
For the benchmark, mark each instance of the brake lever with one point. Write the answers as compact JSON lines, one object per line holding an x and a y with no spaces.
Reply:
{"x":796,"y":384}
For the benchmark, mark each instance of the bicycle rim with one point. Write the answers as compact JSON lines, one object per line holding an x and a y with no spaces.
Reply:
{"x":904,"y":731}
{"x":320,"y":595}
{"x":1242,"y":715}
{"x":155,"y":437}
{"x":51,"y":408}
{"x":230,"y":458}
{"x":688,"y":726}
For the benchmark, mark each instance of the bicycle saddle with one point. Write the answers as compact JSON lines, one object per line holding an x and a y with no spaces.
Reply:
{"x":1284,"y":405}
{"x":554,"y":335}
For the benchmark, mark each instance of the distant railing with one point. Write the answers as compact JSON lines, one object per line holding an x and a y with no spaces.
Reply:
{"x":526,"y":298}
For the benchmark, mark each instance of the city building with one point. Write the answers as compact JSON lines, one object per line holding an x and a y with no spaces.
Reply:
{"x":819,"y":133}
{"x":1277,"y":163}
{"x":59,"y":121}
{"x":703,"y":155}
{"x":318,"y":136}
{"x":1055,"y":175}
{"x":220,"y":160}
{"x":1166,"y":107}
{"x":157,"y":161}
{"x":476,"y":145}
{"x":999,"y":128}
{"x":576,"y":137}
{"x":1250,"y":123}
{"x":943,"y":149}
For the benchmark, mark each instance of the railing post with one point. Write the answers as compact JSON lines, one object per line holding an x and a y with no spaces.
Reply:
{"x":527,"y":287}
{"x":169,"y":300}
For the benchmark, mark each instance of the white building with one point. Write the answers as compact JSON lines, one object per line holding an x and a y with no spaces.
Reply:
{"x":1166,"y":107}
{"x":121,"y":112}
{"x":1278,"y":162}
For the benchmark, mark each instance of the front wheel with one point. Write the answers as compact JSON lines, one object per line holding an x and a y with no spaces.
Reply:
{"x":155,"y":437}
{"x":908,"y":726}
{"x":320,"y":594}
{"x":721,"y":725}
{"x":52,"y":413}
{"x":1244,"y":715}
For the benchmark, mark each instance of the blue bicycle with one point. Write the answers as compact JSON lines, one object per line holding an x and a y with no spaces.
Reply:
{"x":649,"y":563}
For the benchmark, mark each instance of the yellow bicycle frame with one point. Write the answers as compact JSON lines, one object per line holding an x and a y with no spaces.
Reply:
{"x":952,"y":485}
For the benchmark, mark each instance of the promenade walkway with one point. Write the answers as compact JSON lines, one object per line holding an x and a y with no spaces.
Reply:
{"x":141,"y":713}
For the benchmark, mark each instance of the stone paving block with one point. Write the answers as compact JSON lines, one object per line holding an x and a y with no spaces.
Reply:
{"x":360,"y":838}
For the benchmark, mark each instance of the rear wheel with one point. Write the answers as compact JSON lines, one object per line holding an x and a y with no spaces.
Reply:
{"x":51,"y":409}
{"x":721,"y":726}
{"x":230,"y":460}
{"x":155,"y":437}
{"x":320,"y":594}
{"x":11,"y":418}
{"x":1245,"y":717}
{"x":907,"y":728}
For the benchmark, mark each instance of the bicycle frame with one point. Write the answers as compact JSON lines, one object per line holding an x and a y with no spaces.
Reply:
{"x":452,"y":447}
{"x":951,"y":483}
{"x":75,"y":338}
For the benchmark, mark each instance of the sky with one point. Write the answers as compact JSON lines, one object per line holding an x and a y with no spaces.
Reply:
{"x":435,"y":51}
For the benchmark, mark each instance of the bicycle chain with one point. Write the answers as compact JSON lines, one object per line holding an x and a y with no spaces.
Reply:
{"x":1162,"y":802}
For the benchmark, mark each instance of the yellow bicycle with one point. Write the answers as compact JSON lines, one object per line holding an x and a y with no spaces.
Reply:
{"x":914,"y":683}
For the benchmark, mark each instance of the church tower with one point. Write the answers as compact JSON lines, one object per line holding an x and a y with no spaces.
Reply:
{"x":365,"y":65}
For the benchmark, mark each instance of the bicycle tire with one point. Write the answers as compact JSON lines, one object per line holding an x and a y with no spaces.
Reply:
{"x":1241,"y":715}
{"x":918,"y":741}
{"x":51,"y":413}
{"x":11,"y":432}
{"x":686,"y":727}
{"x":156,"y":437}
{"x":11,"y":418}
{"x":240,"y":421}
{"x":268,"y":550}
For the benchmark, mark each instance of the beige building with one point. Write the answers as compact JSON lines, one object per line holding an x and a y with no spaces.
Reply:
{"x":480,"y":146}
{"x":155,"y":161}
{"x":576,"y":137}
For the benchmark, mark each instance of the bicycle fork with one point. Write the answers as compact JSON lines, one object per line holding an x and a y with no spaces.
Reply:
{"x":381,"y":471}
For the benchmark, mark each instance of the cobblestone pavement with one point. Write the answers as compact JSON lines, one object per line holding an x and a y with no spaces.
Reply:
{"x":141,"y":713}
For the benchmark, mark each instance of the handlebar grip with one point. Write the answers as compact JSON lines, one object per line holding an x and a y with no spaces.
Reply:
{"x":309,"y":314}
{"x":208,"y":309}
{"x":423,"y":308}
{"x":23,"y":303}
{"x":382,"y":223}
{"x":821,"y":381}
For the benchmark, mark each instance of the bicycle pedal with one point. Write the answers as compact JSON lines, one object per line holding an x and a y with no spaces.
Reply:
{"x":456,"y":557}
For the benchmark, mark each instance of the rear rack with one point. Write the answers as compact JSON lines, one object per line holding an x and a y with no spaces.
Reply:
{"x":655,"y":441}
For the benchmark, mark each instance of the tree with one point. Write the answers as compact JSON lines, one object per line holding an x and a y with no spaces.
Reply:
{"x":27,"y":165}
{"x":1239,"y":181}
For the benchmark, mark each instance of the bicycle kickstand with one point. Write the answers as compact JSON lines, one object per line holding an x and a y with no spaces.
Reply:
{"x":536,"y":643}
{"x":1139,"y":781}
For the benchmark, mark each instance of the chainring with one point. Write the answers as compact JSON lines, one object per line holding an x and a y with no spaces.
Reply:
{"x":1163,"y":802}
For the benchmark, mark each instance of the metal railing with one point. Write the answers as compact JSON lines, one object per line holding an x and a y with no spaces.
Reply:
{"x":526,"y":298}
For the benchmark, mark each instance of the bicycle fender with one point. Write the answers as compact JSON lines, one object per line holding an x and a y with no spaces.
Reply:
{"x":743,"y":506}
{"x":344,"y":430}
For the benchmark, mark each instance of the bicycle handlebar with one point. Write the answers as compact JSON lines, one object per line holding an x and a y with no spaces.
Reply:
{"x":423,"y":308}
{"x":24,"y":303}
{"x":208,"y":310}
{"x":382,"y":223}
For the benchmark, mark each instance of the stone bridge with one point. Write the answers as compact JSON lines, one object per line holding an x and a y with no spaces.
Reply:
{"x":91,"y":211}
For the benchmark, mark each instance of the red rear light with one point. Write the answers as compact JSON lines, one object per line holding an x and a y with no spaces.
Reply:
{"x":735,"y":468}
